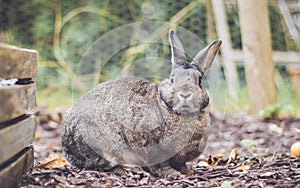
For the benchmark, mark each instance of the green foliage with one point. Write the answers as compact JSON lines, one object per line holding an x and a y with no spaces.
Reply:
{"x":226,"y":184}
{"x":16,"y":17}
{"x":197,"y":22}
{"x":280,"y":41}
{"x":287,"y":102}
{"x":234,"y":27}
{"x":34,"y":24}
{"x":273,"y":111}
{"x":270,"y":112}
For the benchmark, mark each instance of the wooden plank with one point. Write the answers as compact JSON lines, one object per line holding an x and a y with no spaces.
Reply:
{"x":15,"y":137}
{"x":292,"y":4}
{"x":16,"y":100}
{"x":279,"y":57}
{"x":223,"y":33}
{"x":291,"y":25}
{"x":286,"y":57}
{"x":17,"y":62}
{"x":10,"y":174}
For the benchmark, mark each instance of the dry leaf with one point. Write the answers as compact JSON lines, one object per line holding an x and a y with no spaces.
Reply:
{"x":297,"y":130}
{"x":219,"y":156}
{"x":243,"y":167}
{"x":53,"y":162}
{"x":232,"y":156}
{"x":37,"y":136}
{"x":267,"y":174}
{"x":213,"y":161}
{"x":202,"y":163}
{"x":52,"y":125}
{"x":275,"y":128}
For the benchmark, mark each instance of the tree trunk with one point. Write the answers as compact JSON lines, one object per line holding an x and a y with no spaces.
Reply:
{"x":257,"y":48}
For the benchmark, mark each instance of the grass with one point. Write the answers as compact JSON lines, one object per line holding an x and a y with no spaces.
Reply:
{"x":288,"y":104}
{"x":61,"y":99}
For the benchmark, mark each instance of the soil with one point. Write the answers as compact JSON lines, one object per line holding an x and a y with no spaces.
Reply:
{"x":263,"y":158}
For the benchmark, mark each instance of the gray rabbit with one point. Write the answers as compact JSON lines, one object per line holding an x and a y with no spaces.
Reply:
{"x":158,"y":126}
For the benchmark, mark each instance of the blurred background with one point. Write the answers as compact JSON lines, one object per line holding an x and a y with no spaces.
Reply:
{"x":62,"y":31}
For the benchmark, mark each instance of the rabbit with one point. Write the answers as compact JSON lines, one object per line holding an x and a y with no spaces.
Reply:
{"x":132,"y":121}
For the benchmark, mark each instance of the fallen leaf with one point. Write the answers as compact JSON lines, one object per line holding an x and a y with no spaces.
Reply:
{"x":243,"y":167}
{"x":202,"y":163}
{"x":219,"y":156}
{"x":212,"y":161}
{"x":53,"y":162}
{"x":267,"y":174}
{"x":53,"y":125}
{"x":232,"y":156}
{"x":275,"y":128}
{"x":297,"y":130}
{"x":37,"y":136}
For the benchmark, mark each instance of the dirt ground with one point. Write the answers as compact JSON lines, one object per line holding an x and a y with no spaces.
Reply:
{"x":262,"y":159}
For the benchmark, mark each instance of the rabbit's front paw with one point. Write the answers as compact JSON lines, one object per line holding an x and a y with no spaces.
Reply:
{"x":164,"y":172}
{"x":171,"y":173}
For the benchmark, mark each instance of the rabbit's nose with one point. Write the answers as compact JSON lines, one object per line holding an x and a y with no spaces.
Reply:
{"x":185,"y":95}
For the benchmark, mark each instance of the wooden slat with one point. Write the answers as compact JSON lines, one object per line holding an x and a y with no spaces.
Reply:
{"x":228,"y":61}
{"x":17,"y":62}
{"x":10,"y":175}
{"x":290,"y":23}
{"x":286,"y":57}
{"x":16,"y":137}
{"x":16,"y":100}
{"x":279,"y":57}
{"x":291,"y":3}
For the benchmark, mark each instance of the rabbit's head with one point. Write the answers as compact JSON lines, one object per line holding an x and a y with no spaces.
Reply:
{"x":183,"y":92}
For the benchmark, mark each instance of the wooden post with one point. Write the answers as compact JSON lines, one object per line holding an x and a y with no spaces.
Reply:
{"x":257,"y":48}
{"x":226,"y":48}
{"x":17,"y":107}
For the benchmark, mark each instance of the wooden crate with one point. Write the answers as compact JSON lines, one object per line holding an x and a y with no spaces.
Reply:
{"x":17,"y":106}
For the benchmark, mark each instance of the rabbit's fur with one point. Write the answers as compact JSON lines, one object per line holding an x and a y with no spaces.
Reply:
{"x":159,"y":126}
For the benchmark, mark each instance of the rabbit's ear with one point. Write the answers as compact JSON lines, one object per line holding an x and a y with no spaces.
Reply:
{"x":178,"y":54}
{"x":205,"y":57}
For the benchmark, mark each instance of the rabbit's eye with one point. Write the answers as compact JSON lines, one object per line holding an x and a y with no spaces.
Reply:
{"x":172,"y":80}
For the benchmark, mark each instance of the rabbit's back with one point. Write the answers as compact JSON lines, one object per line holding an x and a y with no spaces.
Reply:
{"x":113,"y":115}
